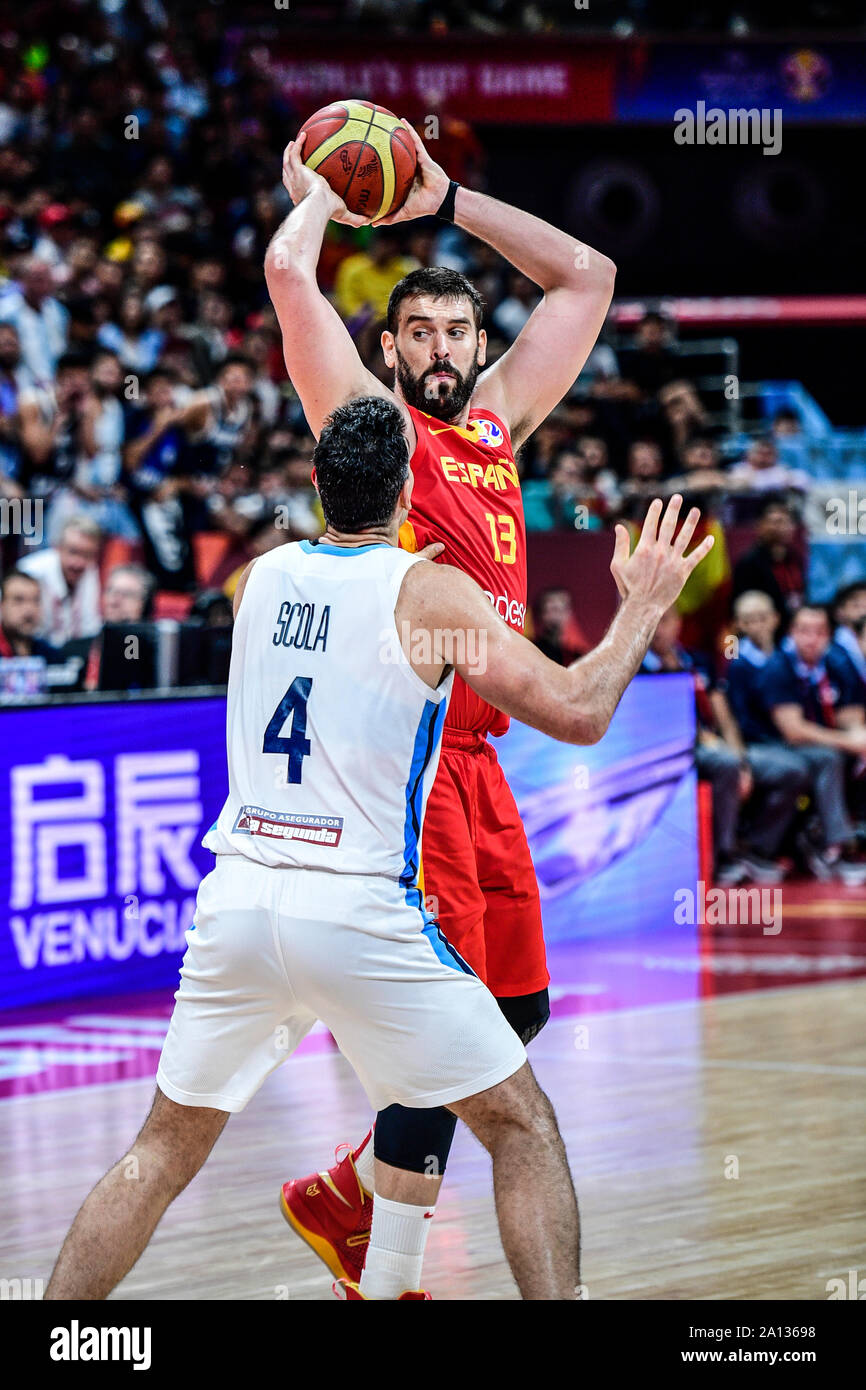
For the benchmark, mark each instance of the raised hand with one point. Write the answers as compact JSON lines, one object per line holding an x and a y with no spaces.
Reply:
{"x":300,"y":182}
{"x":658,"y":567}
{"x":428,"y":190}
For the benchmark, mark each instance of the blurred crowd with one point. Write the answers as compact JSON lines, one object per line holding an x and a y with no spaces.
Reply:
{"x":617,"y":16}
{"x":151,"y":444}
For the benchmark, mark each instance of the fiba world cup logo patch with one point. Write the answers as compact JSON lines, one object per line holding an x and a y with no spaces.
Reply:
{"x":489,"y":433}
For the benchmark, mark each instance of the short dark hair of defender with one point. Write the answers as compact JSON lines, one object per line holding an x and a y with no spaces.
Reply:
{"x":441,"y":283}
{"x":361,"y":462}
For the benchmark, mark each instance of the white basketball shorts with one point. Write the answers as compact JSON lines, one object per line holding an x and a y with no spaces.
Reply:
{"x":272,"y":950}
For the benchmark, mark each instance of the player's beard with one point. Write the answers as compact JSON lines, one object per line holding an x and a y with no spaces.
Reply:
{"x":443,"y":402}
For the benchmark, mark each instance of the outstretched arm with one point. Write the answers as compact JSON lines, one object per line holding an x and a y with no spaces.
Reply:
{"x":321,"y":359}
{"x":537,"y":370}
{"x":573,"y":704}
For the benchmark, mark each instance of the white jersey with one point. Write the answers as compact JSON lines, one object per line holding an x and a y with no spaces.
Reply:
{"x":333,"y":739}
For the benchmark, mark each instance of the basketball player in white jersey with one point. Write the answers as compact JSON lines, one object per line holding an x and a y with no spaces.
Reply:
{"x":343,"y":660}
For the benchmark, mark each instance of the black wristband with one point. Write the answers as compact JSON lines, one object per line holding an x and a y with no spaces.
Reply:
{"x":446,"y":208}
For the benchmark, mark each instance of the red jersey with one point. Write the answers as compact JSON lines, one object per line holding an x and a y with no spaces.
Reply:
{"x":467,"y":495}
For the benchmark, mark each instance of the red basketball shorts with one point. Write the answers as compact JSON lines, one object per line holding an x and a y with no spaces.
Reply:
{"x":477,"y":867}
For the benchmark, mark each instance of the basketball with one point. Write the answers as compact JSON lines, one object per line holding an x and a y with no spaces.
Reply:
{"x":364,"y":153}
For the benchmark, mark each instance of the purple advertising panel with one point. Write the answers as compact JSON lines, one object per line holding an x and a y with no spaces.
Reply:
{"x":806,"y":82}
{"x":103,"y":807}
{"x":612,"y":828}
{"x":102,"y":811}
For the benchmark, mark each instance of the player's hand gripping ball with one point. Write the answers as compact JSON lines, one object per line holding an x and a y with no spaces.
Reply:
{"x":364,"y":152}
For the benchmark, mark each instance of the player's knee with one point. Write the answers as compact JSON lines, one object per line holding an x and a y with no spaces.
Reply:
{"x":515,"y":1109}
{"x":527,"y":1013}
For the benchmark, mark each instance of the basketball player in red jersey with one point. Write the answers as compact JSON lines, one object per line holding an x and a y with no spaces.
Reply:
{"x":464,"y":425}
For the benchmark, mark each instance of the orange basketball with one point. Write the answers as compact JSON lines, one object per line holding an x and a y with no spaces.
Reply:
{"x":365,"y":154}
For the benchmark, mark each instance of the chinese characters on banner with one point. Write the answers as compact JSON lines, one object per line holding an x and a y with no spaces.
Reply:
{"x":103,"y":809}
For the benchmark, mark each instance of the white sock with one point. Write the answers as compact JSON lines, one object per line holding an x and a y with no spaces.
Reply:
{"x":396,"y":1250}
{"x":365,"y":1163}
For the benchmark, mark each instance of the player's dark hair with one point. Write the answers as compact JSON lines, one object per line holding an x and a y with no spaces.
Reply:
{"x":361,"y":461}
{"x":441,"y":283}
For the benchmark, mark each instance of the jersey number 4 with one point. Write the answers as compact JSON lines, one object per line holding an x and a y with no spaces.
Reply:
{"x":293,"y":705}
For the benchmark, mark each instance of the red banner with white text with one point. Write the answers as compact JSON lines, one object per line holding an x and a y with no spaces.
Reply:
{"x":474,"y":80}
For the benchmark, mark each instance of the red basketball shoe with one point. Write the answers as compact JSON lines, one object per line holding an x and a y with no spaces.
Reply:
{"x":332,"y":1212}
{"x":349,"y":1292}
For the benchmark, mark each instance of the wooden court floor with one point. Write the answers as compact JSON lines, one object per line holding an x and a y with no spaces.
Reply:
{"x":717,"y":1145}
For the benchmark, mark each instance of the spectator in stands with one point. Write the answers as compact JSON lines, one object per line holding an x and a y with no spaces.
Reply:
{"x":20,"y":618}
{"x":756,"y":622}
{"x":56,"y":234}
{"x":858,"y":627}
{"x":13,"y":380}
{"x":81,"y":272}
{"x":159,"y":500}
{"x":702,"y":471}
{"x":136,"y":346}
{"x":511,"y":313}
{"x":213,"y":608}
{"x":10,"y":542}
{"x":566,"y":499}
{"x":600,"y":375}
{"x":810,"y":700}
{"x":149,"y":266}
{"x":650,"y":362}
{"x":41,"y":321}
{"x":421,"y":236}
{"x":169,"y":206}
{"x":786,"y":423}
{"x":683,"y":417}
{"x":127,"y":596}
{"x":761,"y":470}
{"x":219,"y":420}
{"x":234,"y":505}
{"x":127,"y":599}
{"x":209,"y":338}
{"x":593,"y":450}
{"x":552,"y":436}
{"x":51,"y":428}
{"x":483,"y":265}
{"x":69,"y":581}
{"x":286,"y":482}
{"x":644,"y":469}
{"x":154,"y":431}
{"x":365,"y":280}
{"x":774,"y":565}
{"x":265,"y":537}
{"x":782,"y":771}
{"x":257,"y":348}
{"x":557,"y":631}
{"x":95,"y":488}
{"x":721,"y":759}
{"x":849,"y":609}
